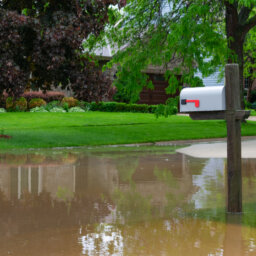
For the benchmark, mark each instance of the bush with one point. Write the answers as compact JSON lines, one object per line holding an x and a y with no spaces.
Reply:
{"x":253,"y":96}
{"x":3,"y":98}
{"x":58,"y":110}
{"x":2,"y":110}
{"x":9,"y":104}
{"x":170,"y":108}
{"x":84,"y":105}
{"x":48,"y":96}
{"x":72,"y":102}
{"x":253,"y":105}
{"x":37,"y":102}
{"x":247,"y":104}
{"x":38,"y":109}
{"x":52,"y":105}
{"x":122,"y":107}
{"x":18,"y":105}
{"x":76,"y":109}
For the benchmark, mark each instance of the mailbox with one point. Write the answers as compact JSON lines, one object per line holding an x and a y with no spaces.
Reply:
{"x":202,"y":99}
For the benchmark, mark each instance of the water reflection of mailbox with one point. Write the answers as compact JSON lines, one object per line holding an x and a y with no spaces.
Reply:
{"x":201,"y":99}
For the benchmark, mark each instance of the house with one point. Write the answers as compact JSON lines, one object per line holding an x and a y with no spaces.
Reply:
{"x":155,"y":73}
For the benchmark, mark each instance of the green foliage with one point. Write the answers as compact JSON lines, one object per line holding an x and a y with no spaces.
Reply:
{"x":253,"y":96}
{"x":2,"y":110}
{"x":253,"y":105}
{"x":72,"y":102}
{"x":52,"y":104}
{"x":132,"y":206}
{"x":21,"y":104}
{"x":76,"y":109}
{"x":189,"y":36}
{"x":247,"y":104}
{"x":37,"y":102}
{"x":122,"y":107}
{"x":250,"y":55}
{"x":166,"y":32}
{"x":84,"y":105}
{"x":170,"y":108}
{"x":16,"y":105}
{"x":58,"y":110}
{"x":38,"y":109}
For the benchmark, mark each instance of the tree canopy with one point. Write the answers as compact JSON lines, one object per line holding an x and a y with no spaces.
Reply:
{"x":41,"y":45}
{"x":200,"y":35}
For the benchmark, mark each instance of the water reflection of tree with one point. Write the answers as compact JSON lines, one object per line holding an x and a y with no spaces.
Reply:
{"x":37,"y":212}
{"x":132,"y":206}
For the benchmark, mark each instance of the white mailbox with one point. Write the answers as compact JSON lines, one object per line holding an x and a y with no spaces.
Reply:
{"x":199,"y":99}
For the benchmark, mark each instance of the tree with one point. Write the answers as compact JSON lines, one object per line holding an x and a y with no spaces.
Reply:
{"x":41,"y":45}
{"x":198,"y":35}
{"x":250,"y":62}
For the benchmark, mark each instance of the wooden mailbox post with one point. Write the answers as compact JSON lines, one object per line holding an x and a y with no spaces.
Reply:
{"x":233,"y":116}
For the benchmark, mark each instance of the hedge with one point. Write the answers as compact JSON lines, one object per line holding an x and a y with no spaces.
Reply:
{"x":121,"y":107}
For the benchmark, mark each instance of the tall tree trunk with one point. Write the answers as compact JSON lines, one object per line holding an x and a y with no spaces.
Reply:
{"x":235,"y":37}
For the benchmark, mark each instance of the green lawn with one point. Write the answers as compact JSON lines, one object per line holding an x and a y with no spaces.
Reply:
{"x":41,"y":130}
{"x":253,"y":112}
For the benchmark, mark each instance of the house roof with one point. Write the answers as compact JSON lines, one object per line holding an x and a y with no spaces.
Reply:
{"x":107,"y":52}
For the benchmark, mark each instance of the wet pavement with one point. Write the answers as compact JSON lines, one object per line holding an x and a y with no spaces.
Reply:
{"x":122,"y":201}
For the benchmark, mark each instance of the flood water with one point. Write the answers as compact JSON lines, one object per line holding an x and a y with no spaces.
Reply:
{"x":141,"y":201}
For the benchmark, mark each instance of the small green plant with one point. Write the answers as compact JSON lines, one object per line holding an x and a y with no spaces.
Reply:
{"x":76,"y":109}
{"x":65,"y":106}
{"x":58,"y":110}
{"x":170,"y":108}
{"x":2,"y":110}
{"x":38,"y":109}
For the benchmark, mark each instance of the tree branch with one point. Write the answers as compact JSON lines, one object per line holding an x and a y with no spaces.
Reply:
{"x":244,"y":15}
{"x":249,"y":25}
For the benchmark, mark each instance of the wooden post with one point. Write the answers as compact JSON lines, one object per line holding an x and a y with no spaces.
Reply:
{"x":234,"y":179}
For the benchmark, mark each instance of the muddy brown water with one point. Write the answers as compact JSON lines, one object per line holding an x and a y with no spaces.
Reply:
{"x":141,"y":201}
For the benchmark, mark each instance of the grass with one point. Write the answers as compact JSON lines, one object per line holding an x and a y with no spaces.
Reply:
{"x":44,"y":130}
{"x":253,"y":112}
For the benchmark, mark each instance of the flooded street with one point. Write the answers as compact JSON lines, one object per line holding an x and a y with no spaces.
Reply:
{"x":122,"y":201}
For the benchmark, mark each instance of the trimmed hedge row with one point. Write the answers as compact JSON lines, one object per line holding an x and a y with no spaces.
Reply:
{"x":48,"y":96}
{"x":121,"y":107}
{"x":22,"y":104}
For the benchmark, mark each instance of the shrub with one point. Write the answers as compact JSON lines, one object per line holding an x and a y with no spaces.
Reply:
{"x":38,"y":109}
{"x":18,"y":105}
{"x":253,"y":96}
{"x":76,"y":109}
{"x":253,"y":106}
{"x":122,"y":107}
{"x":21,"y":104}
{"x":9,"y":103}
{"x":170,"y":108}
{"x":58,"y":109}
{"x":37,"y":102}
{"x":84,"y":105}
{"x":48,"y":96}
{"x":247,"y":104}
{"x":52,"y":105}
{"x":3,"y":98}
{"x":2,"y":110}
{"x":72,"y":102}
